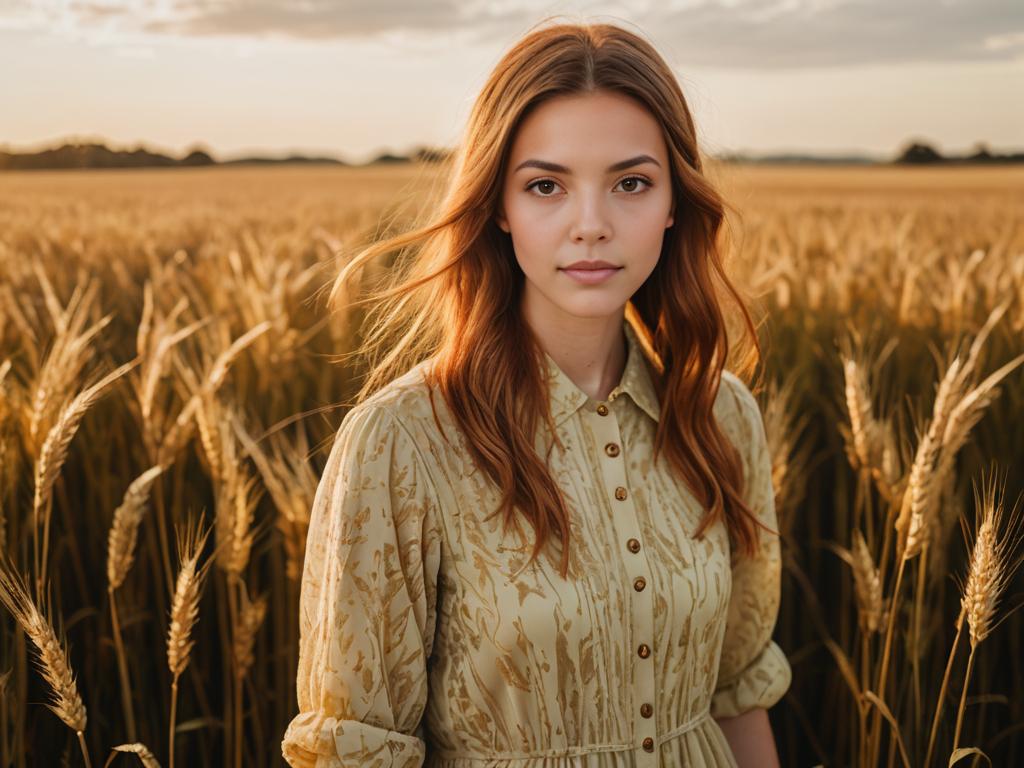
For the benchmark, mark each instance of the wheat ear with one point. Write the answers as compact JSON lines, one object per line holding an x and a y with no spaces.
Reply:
{"x":54,"y":453}
{"x":120,"y":555}
{"x":53,"y":657}
{"x":184,"y":611}
{"x":995,"y":558}
{"x":145,"y":756}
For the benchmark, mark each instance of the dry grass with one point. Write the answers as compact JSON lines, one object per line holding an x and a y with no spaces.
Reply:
{"x":896,"y":311}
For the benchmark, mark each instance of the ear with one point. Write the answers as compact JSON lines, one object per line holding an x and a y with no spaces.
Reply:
{"x":499,"y":219}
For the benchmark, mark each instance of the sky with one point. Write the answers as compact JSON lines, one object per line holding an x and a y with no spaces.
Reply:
{"x":355,"y":78}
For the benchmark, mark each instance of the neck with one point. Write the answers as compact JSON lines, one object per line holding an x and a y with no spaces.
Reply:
{"x":591,"y":351}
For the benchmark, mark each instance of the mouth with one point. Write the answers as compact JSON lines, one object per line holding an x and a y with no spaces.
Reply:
{"x":581,"y":266}
{"x":590,"y":275}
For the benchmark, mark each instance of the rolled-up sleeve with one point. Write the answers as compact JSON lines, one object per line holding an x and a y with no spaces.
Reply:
{"x":753,"y":669}
{"x":368,"y":601}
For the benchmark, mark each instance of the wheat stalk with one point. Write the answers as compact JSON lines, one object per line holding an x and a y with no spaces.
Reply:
{"x":120,"y":555}
{"x":124,"y":529}
{"x":184,"y":611}
{"x":68,"y":353}
{"x":185,"y":601}
{"x":924,"y":482}
{"x":921,"y":486}
{"x":236,"y":500}
{"x":867,"y":584}
{"x":53,"y":658}
{"x":291,"y":483}
{"x":995,"y":558}
{"x":870,"y":444}
{"x":250,"y":617}
{"x":915,"y":513}
{"x":247,"y":623}
{"x":858,"y":406}
{"x":54,"y":453}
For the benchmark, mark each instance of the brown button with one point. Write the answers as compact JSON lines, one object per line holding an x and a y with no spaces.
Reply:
{"x":634,"y":545}
{"x":602,"y":409}
{"x":612,"y":449}
{"x":648,"y":744}
{"x":646,"y":710}
{"x":644,"y":650}
{"x":639,"y":583}
{"x":620,"y":493}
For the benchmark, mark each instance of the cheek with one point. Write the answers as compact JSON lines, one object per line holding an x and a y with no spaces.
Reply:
{"x":651,"y":225}
{"x":646,"y":222}
{"x":535,"y":237}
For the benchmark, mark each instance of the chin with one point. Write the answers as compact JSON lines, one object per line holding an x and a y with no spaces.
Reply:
{"x":593,"y":309}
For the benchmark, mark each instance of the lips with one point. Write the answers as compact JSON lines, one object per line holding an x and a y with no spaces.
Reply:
{"x":590,"y":272}
{"x":589,"y":265}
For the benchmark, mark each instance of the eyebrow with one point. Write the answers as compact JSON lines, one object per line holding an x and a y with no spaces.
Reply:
{"x":544,"y":165}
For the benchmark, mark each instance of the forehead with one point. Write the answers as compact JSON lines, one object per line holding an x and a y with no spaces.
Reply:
{"x":595,"y":127}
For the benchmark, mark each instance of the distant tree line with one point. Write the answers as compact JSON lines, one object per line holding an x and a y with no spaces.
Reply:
{"x":919,"y":153}
{"x":97,"y":155}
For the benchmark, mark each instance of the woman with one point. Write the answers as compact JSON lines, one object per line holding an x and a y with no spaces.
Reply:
{"x":550,"y":542}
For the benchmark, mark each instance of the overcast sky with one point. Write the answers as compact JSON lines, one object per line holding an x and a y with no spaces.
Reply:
{"x":353,"y":78}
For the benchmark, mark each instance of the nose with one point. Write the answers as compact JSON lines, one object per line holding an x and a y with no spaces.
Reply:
{"x":590,"y":222}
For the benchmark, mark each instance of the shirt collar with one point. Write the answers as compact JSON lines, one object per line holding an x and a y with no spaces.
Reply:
{"x":566,"y":397}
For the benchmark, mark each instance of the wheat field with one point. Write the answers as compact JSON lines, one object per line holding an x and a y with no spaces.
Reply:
{"x":170,"y":384}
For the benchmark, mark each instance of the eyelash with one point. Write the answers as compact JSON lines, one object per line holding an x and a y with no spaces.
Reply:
{"x":644,"y":179}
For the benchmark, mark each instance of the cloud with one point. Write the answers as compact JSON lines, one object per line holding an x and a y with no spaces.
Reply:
{"x":314,"y":19}
{"x":774,"y":34}
{"x":762,"y":34}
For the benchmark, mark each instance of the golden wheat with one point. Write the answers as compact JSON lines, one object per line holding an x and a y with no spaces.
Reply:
{"x":91,"y":263}
{"x":124,"y":529}
{"x":53,"y":658}
{"x":145,"y":756}
{"x":185,"y":603}
{"x":250,"y":617}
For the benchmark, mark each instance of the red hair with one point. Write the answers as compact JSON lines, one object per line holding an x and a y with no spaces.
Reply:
{"x":459,"y":300}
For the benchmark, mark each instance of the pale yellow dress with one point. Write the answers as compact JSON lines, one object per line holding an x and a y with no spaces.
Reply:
{"x":425,"y":641}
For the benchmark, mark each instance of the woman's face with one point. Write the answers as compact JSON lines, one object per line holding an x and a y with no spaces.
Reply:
{"x":588,"y":179}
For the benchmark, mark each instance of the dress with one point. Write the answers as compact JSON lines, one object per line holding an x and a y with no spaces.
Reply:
{"x":425,"y":641}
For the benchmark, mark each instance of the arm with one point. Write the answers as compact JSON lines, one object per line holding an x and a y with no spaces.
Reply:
{"x":367,"y":607}
{"x":753,"y":671}
{"x":750,"y":739}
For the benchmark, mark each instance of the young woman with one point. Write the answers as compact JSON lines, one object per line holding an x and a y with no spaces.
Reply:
{"x":545,"y":535}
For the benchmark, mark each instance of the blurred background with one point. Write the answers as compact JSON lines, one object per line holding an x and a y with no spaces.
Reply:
{"x":180,"y":180}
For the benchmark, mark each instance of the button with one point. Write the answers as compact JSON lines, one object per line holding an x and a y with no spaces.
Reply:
{"x":646,"y":710}
{"x":633,"y":545}
{"x":602,"y":410}
{"x":644,"y":650}
{"x":639,"y":583}
{"x":648,"y":744}
{"x":620,"y":493}
{"x":612,"y":449}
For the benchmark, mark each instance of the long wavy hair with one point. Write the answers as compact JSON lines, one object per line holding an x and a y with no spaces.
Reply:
{"x":452,"y":289}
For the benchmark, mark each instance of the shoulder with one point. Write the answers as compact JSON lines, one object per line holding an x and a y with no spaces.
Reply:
{"x":735,"y":402}
{"x":406,"y":402}
{"x":739,"y":415}
{"x":398,"y":415}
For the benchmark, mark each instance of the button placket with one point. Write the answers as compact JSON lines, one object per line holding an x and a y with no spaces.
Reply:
{"x":627,"y":527}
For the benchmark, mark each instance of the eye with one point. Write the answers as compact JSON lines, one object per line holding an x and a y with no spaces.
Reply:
{"x":634,"y":179}
{"x":538,"y":183}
